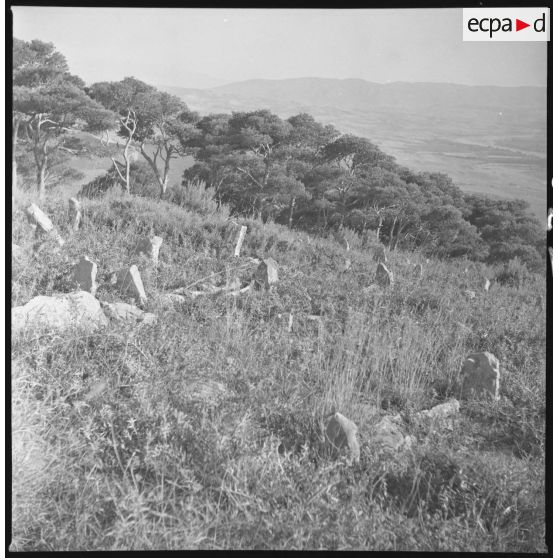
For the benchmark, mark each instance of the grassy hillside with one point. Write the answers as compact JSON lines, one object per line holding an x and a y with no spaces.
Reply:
{"x":205,"y":429}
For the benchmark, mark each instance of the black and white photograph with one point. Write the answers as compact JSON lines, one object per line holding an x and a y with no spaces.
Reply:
{"x":278,"y":278}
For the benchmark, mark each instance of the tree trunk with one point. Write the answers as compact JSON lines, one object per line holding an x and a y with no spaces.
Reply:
{"x":41,"y":179}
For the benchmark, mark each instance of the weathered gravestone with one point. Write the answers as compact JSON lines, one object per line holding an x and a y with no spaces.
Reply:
{"x":267,"y":273}
{"x":85,"y":273}
{"x":480,"y":376}
{"x":379,"y":254}
{"x":74,"y":213}
{"x":240,"y":240}
{"x":384,"y":276}
{"x":129,"y":282}
{"x":150,"y":247}
{"x":417,"y":271}
{"x":487,"y":285}
{"x":342,"y":433}
{"x":42,"y":224}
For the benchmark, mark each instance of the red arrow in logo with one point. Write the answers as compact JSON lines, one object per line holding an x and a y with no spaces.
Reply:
{"x":519,"y":25}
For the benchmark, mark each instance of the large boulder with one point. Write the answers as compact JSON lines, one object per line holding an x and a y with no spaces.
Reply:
{"x":480,"y":376}
{"x":59,"y":312}
{"x":341,"y":433}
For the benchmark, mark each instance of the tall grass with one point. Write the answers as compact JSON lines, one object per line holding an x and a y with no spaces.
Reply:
{"x":205,"y":429}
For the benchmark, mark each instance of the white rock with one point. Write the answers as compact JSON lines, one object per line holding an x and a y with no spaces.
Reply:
{"x":59,"y":312}
{"x":388,"y":435}
{"x":74,"y":213}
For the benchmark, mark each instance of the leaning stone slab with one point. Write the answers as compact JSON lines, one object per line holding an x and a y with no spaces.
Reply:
{"x":85,"y":273}
{"x":129,"y":282}
{"x":150,"y":247}
{"x":480,"y":376}
{"x":74,"y":213}
{"x":384,"y":276}
{"x":60,"y":312}
{"x":43,"y":225}
{"x":123,"y":312}
{"x":267,"y":273}
{"x":342,"y":433}
{"x":240,"y":240}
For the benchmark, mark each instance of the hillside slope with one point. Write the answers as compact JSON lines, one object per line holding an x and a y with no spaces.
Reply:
{"x":205,"y":430}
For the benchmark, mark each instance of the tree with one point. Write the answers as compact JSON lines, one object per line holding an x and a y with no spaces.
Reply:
{"x":48,"y":104}
{"x":158,"y":124}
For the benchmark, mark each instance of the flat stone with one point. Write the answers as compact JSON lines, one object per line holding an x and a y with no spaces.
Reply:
{"x":59,"y":312}
{"x":85,"y":273}
{"x":387,"y":435}
{"x":341,"y":433}
{"x":129,"y":282}
{"x":384,"y":276}
{"x":207,"y":391}
{"x":444,"y":410}
{"x":480,"y":376}
{"x":123,"y":312}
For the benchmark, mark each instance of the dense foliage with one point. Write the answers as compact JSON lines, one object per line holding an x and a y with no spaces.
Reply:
{"x":300,"y":172}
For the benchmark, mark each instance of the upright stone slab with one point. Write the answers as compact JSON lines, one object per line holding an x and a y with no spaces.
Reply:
{"x":85,"y":273}
{"x":240,"y":240}
{"x":417,"y":271}
{"x":384,"y":276}
{"x":42,"y":224}
{"x":267,"y":273}
{"x":342,"y":433}
{"x":487,"y":285}
{"x":74,"y":213}
{"x":150,"y":247}
{"x":129,"y":282}
{"x":379,"y":254}
{"x":480,"y":376}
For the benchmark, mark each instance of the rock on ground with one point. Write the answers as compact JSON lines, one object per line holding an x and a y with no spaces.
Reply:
{"x":129,"y":282}
{"x":342,"y":433}
{"x":480,"y":376}
{"x":444,"y":410}
{"x":384,"y":276}
{"x":59,"y":312}
{"x":85,"y":273}
{"x":267,"y":273}
{"x":123,"y":312}
{"x":388,"y":436}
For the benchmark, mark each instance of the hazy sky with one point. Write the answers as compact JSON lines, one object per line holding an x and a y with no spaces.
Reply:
{"x":204,"y":47}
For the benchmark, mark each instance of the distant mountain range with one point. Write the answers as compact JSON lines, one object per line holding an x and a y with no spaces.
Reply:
{"x":488,"y":139}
